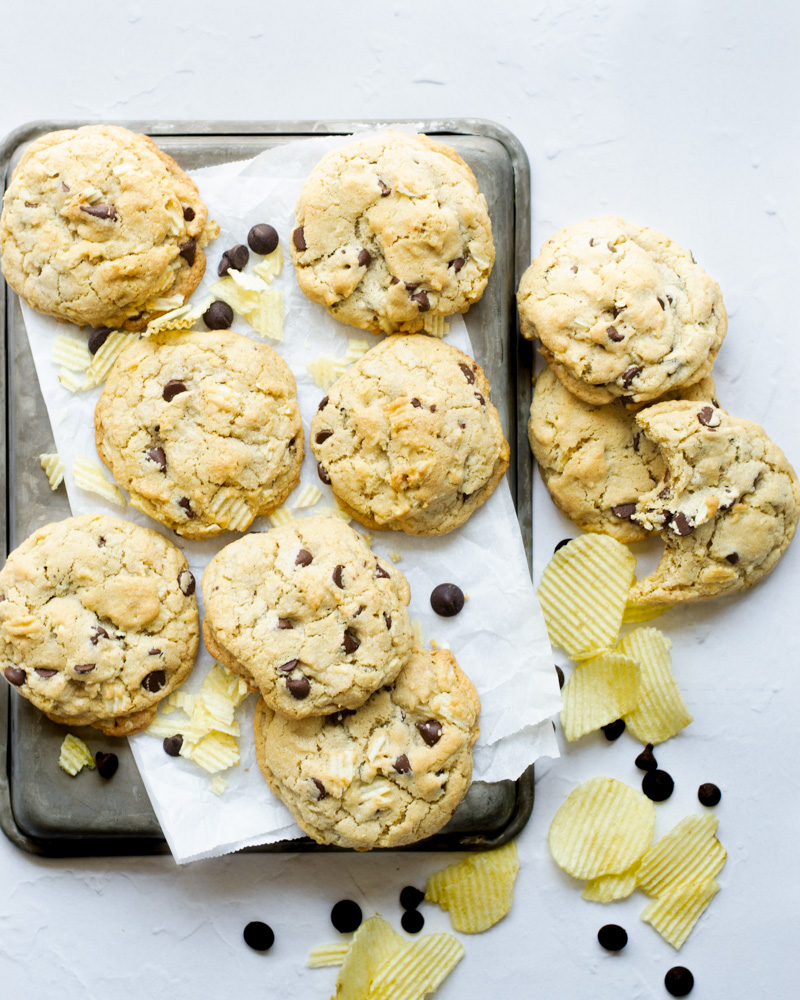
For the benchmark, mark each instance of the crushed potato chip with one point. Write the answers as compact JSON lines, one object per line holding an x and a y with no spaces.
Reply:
{"x":416,"y":628}
{"x":266,"y":317}
{"x":674,"y":914}
{"x":689,"y":854}
{"x":325,"y":369}
{"x":71,"y":381}
{"x":373,"y":943}
{"x":602,"y":828}
{"x":418,"y":968}
{"x":609,"y":888}
{"x":89,"y":476}
{"x":660,"y":711}
{"x":271,"y":266}
{"x":640,"y":613}
{"x":70,"y":352}
{"x":599,"y":691}
{"x":307,"y":497}
{"x":396,"y":557}
{"x":279,"y":516}
{"x":53,"y":466}
{"x":336,"y":511}
{"x":250,"y":296}
{"x":175,"y":319}
{"x":478,"y":891}
{"x":215,"y":752}
{"x":106,"y":355}
{"x":356,"y":350}
{"x":324,"y":956}
{"x":218,"y":785}
{"x":230,"y":512}
{"x":436,"y":326}
{"x":75,"y":755}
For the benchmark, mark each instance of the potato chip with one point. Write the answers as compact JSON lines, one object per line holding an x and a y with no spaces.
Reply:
{"x":335,"y":511}
{"x":609,"y":888}
{"x":660,"y":711}
{"x":373,"y":943}
{"x":215,"y":752}
{"x":70,"y":352}
{"x":583,"y":592}
{"x":106,"y":355}
{"x":602,"y":828}
{"x":689,"y":854}
{"x":230,"y":512}
{"x":218,"y":785}
{"x":89,"y":476}
{"x":356,"y":350}
{"x":640,"y":613}
{"x":266,"y":316}
{"x":175,"y":319}
{"x":600,"y":690}
{"x":307,"y":497}
{"x":436,"y":326}
{"x":53,"y":466}
{"x":674,"y":914}
{"x":164,"y":303}
{"x":75,"y":755}
{"x":271,"y":266}
{"x":478,"y":891}
{"x":71,"y":381}
{"x":417,"y":969}
{"x":325,"y":369}
{"x":324,"y":956}
{"x":281,"y":515}
{"x":396,"y":557}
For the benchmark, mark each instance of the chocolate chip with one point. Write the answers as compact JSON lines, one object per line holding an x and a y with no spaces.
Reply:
{"x":447,"y":599}
{"x":433,"y":407}
{"x":262,"y":239}
{"x":85,"y":668}
{"x":624,"y":510}
{"x":218,"y":316}
{"x":350,"y":642}
{"x":709,"y":417}
{"x":188,"y":213}
{"x":469,"y":374}
{"x":107,"y":764}
{"x":157,"y":455}
{"x":394,"y":281}
{"x":636,"y":439}
{"x":154,"y":681}
{"x":733,"y":558}
{"x":323,"y":403}
{"x":100,"y":211}
{"x":184,"y":504}
{"x":299,"y":238}
{"x":323,"y":436}
{"x":480,"y":399}
{"x":457,"y":264}
{"x":97,"y":338}
{"x":188,"y":251}
{"x":416,"y":403}
{"x":709,"y":794}
{"x":340,"y":716}
{"x":630,"y":374}
{"x":172,"y":389}
{"x":430,"y":731}
{"x":298,"y":687}
{"x":679,"y":982}
{"x":99,"y":633}
{"x":657,"y":785}
{"x":681,"y":524}
{"x":288,"y":667}
{"x":64,"y":188}
{"x":561,"y":544}
{"x":660,"y":302}
{"x":388,"y":619}
{"x":560,"y":673}
{"x":401,"y":765}
{"x":303,"y":558}
{"x":154,"y":652}
{"x":15,"y":676}
{"x":284,"y":623}
{"x":412,"y":921}
{"x":346,"y":916}
{"x":411,"y":897}
{"x":385,"y":191}
{"x":321,"y":793}
{"x":646,"y":761}
{"x":614,"y":334}
{"x":422,"y":301}
{"x":259,"y":936}
{"x":664,"y":493}
{"x":172,"y":745}
{"x":591,"y":241}
{"x":669,"y":298}
{"x":322,"y":472}
{"x":364,"y":258}
{"x":614,"y":730}
{"x":612,"y":937}
{"x":234,"y":259}
{"x":337,"y":576}
{"x":45,"y":672}
{"x":380,"y":573}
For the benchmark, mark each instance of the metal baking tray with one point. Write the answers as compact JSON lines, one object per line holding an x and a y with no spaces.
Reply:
{"x":41,"y":810}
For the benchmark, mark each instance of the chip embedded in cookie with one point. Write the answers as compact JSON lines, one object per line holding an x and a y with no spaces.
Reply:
{"x":392,"y":231}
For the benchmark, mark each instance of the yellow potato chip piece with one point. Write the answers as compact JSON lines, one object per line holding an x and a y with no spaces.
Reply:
{"x":106,"y":355}
{"x":230,"y":512}
{"x":266,"y":315}
{"x":70,"y":352}
{"x":271,"y":266}
{"x":609,"y":888}
{"x":215,"y":752}
{"x":356,"y":350}
{"x":323,"y":956}
{"x":583,"y":592}
{"x":396,"y":557}
{"x":53,"y":466}
{"x":75,"y":755}
{"x":640,"y":613}
{"x":218,"y":785}
{"x":307,"y":497}
{"x":164,"y":302}
{"x":478,"y":891}
{"x":161,"y":727}
{"x":373,"y":944}
{"x":71,"y":382}
{"x":599,"y":691}
{"x":436,"y":326}
{"x":674,"y":914}
{"x":417,"y":969}
{"x":660,"y":711}
{"x":689,"y":853}
{"x":336,"y":511}
{"x":602,"y":828}
{"x":325,"y":369}
{"x":281,"y":515}
{"x":89,"y":476}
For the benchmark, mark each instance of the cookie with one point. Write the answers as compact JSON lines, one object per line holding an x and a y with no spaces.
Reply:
{"x":596,"y":461}
{"x":388,"y":774}
{"x":727,"y":504}
{"x":621,"y":311}
{"x":99,"y":226}
{"x":408,"y":437}
{"x":203,"y":429}
{"x":308,"y":615}
{"x":392,"y":232}
{"x":98,"y":622}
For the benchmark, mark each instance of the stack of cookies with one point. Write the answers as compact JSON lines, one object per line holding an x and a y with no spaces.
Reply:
{"x":625,"y":424}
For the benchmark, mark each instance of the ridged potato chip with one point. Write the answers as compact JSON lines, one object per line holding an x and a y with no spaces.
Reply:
{"x":266,"y":316}
{"x":71,"y":381}
{"x":281,"y":515}
{"x":478,"y":891}
{"x":436,"y":326}
{"x":417,"y":969}
{"x":70,"y":352}
{"x":218,"y":785}
{"x":602,"y":828}
{"x":271,"y":266}
{"x":374,"y":943}
{"x":689,"y":854}
{"x":103,"y":361}
{"x":215,"y":752}
{"x":307,"y":497}
{"x":583,"y":593}
{"x":660,"y":711}
{"x":53,"y":465}
{"x":356,"y":350}
{"x":325,"y":369}
{"x":89,"y":476}
{"x":640,"y":613}
{"x":674,"y":914}
{"x":600,"y":690}
{"x":324,"y":956}
{"x":609,"y":888}
{"x":75,"y":755}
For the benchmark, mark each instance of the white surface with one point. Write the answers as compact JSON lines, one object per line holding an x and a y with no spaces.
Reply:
{"x":678,"y":116}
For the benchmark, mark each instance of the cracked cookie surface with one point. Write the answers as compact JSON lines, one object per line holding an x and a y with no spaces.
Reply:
{"x":308,"y":614}
{"x":727,"y":505}
{"x":621,"y":310}
{"x":408,"y":437}
{"x":98,"y":225}
{"x":203,"y":429}
{"x":391,"y":232}
{"x":389,"y":774}
{"x":98,"y":622}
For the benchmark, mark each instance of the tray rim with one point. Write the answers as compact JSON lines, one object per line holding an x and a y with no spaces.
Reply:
{"x":123,"y":845}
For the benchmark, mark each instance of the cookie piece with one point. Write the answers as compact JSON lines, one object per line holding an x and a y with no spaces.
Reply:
{"x":621,"y":310}
{"x":392,"y":232}
{"x":596,"y":461}
{"x":99,"y":225}
{"x":727,"y":504}
{"x":408,"y":437}
{"x":390,"y":773}
{"x":98,"y":622}
{"x":307,"y":614}
{"x":203,"y":429}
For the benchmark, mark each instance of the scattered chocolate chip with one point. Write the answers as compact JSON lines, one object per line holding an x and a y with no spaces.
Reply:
{"x":388,"y":619}
{"x":447,"y":599}
{"x":733,"y":558}
{"x":298,"y":687}
{"x":591,"y":241}
{"x":186,"y":583}
{"x":234,"y":259}
{"x":457,"y":264}
{"x":657,"y":785}
{"x":412,"y":921}
{"x":433,"y":407}
{"x":97,"y":338}
{"x":681,"y":524}
{"x":172,"y":389}
{"x":107,"y":764}
{"x":480,"y":399}
{"x":15,"y":676}
{"x":337,"y":576}
{"x":64,"y":188}
{"x":614,"y":334}
{"x":172,"y":745}
{"x":323,"y":436}
{"x":709,"y":417}
{"x":709,"y":794}
{"x":188,"y":251}
{"x":469,"y":374}
{"x":380,"y":573}
{"x":188,"y":213}
{"x":561,"y":544}
{"x":346,"y":916}
{"x":624,"y":510}
{"x":614,"y":730}
{"x":646,"y":761}
{"x":612,"y":937}
{"x":99,"y":633}
{"x":303,"y":558}
{"x":187,"y":507}
{"x":416,"y":403}
{"x":422,"y":301}
{"x":259,"y":936}
{"x":350,"y":643}
{"x":284,"y":623}
{"x":630,"y":374}
{"x":154,"y":681}
{"x":364,"y":258}
{"x":430,"y":731}
{"x":322,"y":472}
{"x":321,"y":793}
{"x":560,"y":674}
{"x":660,"y":302}
{"x":679,"y":982}
{"x":401,"y":765}
{"x":323,"y":403}
{"x":218,"y":316}
{"x":154,"y":652}
{"x":262,"y":239}
{"x":411,"y":897}
{"x":299,"y":238}
{"x":157,"y":455}
{"x":84,"y":668}
{"x":384,"y":189}
{"x":288,"y":667}
{"x":100,"y":211}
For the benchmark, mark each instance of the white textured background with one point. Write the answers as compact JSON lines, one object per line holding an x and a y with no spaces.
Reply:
{"x":681,"y":116}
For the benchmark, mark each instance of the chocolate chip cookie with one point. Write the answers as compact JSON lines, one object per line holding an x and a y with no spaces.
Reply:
{"x":99,"y":226}
{"x":621,"y":311}
{"x":388,"y":774}
{"x":408,"y":437}
{"x":308,"y":615}
{"x":203,"y":429}
{"x":391,"y":232}
{"x":98,"y":622}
